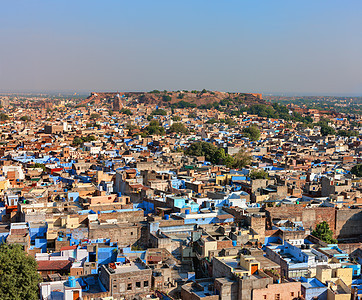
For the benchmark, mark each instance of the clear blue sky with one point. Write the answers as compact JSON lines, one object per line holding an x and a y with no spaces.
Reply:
{"x":305,"y":47}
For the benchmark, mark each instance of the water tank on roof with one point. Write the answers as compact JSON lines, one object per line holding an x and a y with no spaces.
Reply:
{"x":234,"y":243}
{"x":119,"y":194}
{"x":167,"y":217}
{"x":65,"y":190}
{"x":71,"y":281}
{"x":187,"y":211}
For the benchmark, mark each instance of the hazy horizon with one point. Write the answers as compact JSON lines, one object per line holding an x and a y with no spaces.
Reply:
{"x":270,"y":47}
{"x":87,"y":93}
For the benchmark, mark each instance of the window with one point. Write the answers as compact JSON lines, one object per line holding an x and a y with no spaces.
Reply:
{"x":138,"y":284}
{"x":129,"y":287}
{"x":264,"y":297}
{"x":292,"y":294}
{"x":145,"y":283}
{"x":131,"y":232}
{"x":277,"y":297}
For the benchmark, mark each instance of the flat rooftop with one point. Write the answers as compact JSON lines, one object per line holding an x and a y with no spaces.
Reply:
{"x":129,"y":267}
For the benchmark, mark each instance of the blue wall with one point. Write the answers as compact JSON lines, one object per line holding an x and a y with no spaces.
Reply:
{"x":107,"y":255}
{"x":35,"y":232}
{"x":75,"y":196}
{"x":41,"y":244}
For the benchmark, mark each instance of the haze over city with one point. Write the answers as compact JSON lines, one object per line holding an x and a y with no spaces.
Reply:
{"x":278,"y":47}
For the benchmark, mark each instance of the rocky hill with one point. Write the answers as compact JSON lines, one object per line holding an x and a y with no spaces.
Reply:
{"x":178,"y":98}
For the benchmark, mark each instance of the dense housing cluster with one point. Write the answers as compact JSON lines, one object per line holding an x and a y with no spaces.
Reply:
{"x":182,"y":195}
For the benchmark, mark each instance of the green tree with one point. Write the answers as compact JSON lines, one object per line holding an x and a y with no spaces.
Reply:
{"x":183,"y":104}
{"x":126,"y":111}
{"x":221,"y":157}
{"x":178,"y":128}
{"x":252,"y":132}
{"x":258,"y":174}
{"x":241,"y":159}
{"x":159,"y":112}
{"x":166,"y":98}
{"x":212,"y":153}
{"x":95,"y":116}
{"x":229,"y":121}
{"x":38,"y":165}
{"x":348,"y":133}
{"x":4,"y":117}
{"x":78,"y":141}
{"x":18,"y":273}
{"x":176,"y":118}
{"x":323,"y":232}
{"x":212,"y":121}
{"x":25,"y":118}
{"x":154,"y":128}
{"x":357,"y":170}
{"x":327,"y":130}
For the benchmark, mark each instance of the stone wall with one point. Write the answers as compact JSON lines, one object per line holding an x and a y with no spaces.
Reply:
{"x":309,"y":216}
{"x":247,"y":285}
{"x":124,"y":235}
{"x":350,"y":247}
{"x":348,"y":223}
{"x":128,"y":216}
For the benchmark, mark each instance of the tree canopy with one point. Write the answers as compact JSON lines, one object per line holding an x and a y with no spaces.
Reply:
{"x":159,"y":112}
{"x":18,"y":273}
{"x":252,"y":132}
{"x":154,"y":128}
{"x":212,"y":153}
{"x":178,"y":128}
{"x":25,"y":118}
{"x":176,"y":118}
{"x":95,"y":116}
{"x":77,"y":141}
{"x":323,"y":232}
{"x":183,"y":104}
{"x":258,"y":174}
{"x":126,"y":111}
{"x":4,"y":117}
{"x":38,"y":165}
{"x":241,"y":159}
{"x":348,"y":133}
{"x":166,"y":98}
{"x":357,"y":170}
{"x":325,"y":128}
